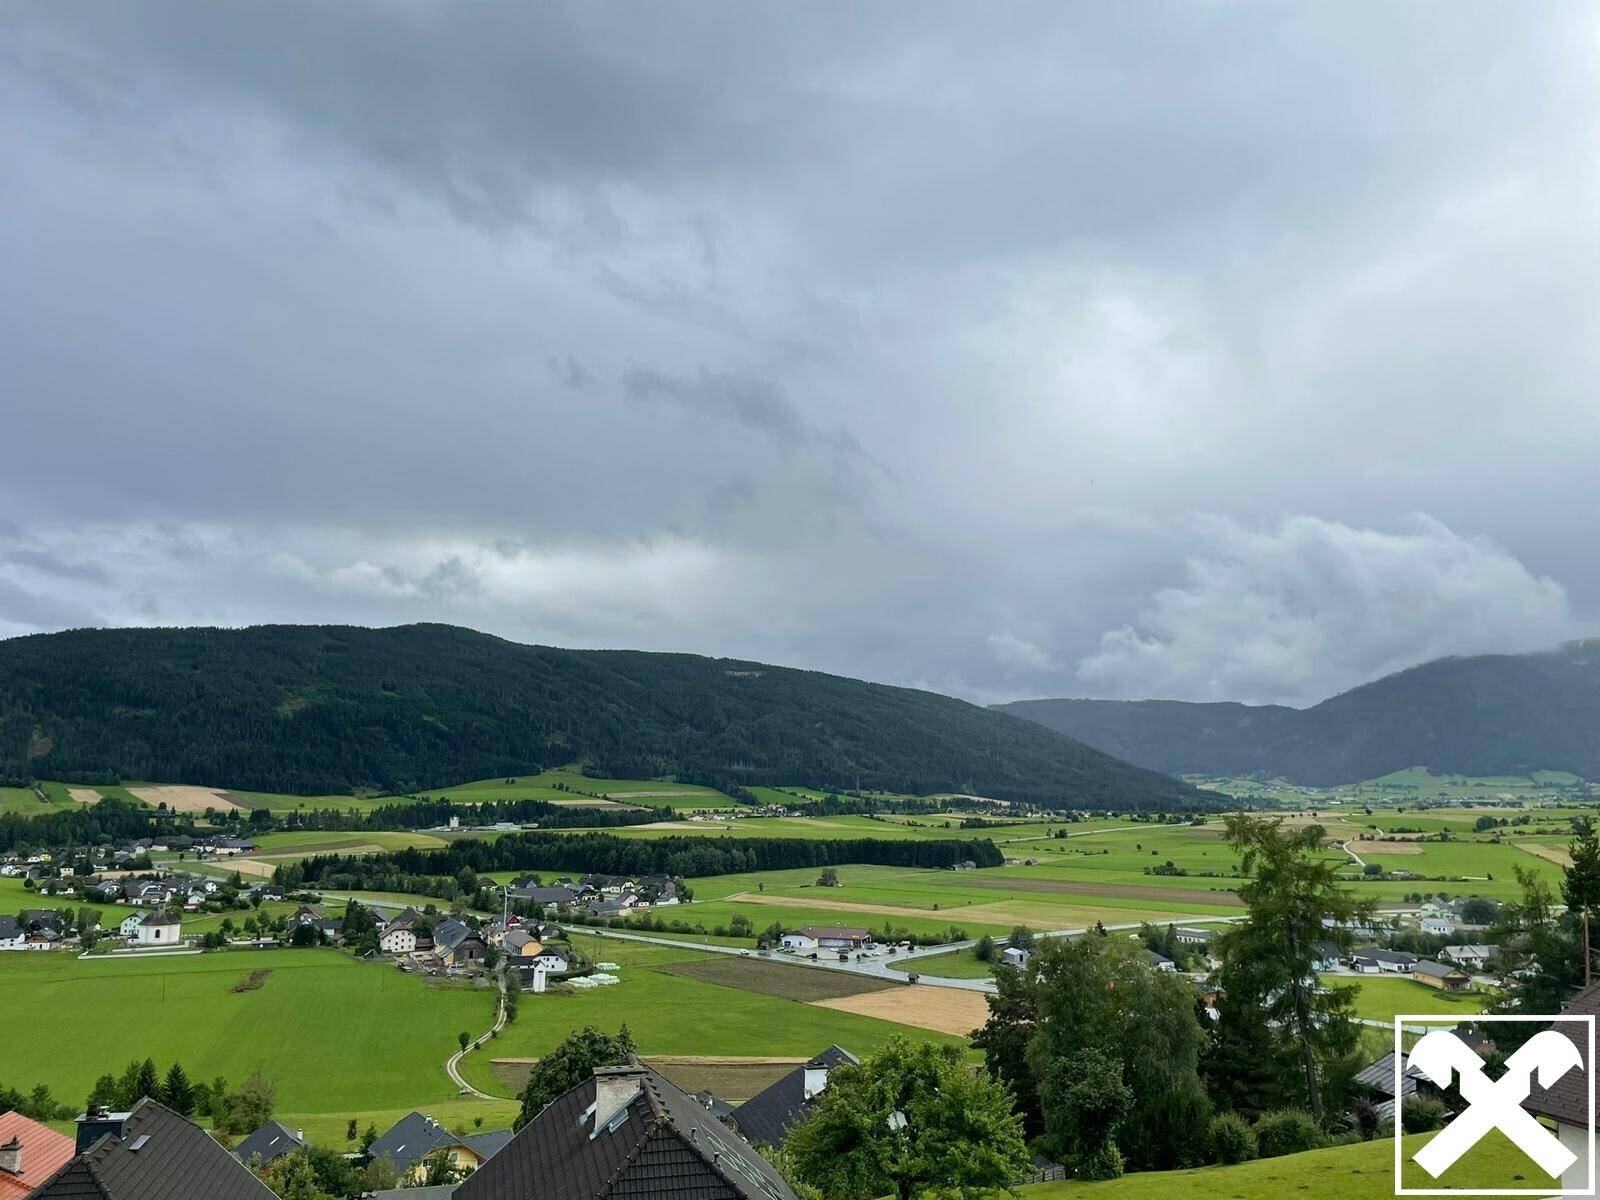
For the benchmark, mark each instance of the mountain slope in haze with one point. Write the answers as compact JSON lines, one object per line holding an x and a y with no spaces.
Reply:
{"x":313,"y":709}
{"x":1493,"y":714}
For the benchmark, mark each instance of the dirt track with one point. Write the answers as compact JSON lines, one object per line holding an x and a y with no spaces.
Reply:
{"x":945,"y":1010}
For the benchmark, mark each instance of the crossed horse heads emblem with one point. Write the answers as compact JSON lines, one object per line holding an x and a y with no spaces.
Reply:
{"x":1495,"y":1103}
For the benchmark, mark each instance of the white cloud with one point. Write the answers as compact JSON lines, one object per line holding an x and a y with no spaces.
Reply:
{"x":1294,"y":612}
{"x":1018,"y":654}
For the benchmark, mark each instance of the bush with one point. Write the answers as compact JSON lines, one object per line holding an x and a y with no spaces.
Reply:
{"x":1286,"y":1131}
{"x":1422,"y":1113}
{"x":1231,"y":1139}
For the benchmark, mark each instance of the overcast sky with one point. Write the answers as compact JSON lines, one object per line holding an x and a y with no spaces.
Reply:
{"x":1197,"y":350}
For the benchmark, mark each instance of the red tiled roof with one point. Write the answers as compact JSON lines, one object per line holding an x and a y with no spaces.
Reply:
{"x":43,"y":1152}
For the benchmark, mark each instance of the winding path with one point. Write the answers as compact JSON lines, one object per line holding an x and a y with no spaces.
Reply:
{"x":452,"y":1066}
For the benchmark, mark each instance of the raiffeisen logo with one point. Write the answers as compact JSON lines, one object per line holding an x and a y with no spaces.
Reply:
{"x":1543,"y":1102}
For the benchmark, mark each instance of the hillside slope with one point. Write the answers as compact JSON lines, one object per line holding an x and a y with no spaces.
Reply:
{"x":1499,"y":714}
{"x":316,"y":709}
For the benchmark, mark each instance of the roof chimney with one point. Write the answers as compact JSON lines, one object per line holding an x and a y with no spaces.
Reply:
{"x":95,"y":1124}
{"x":614,"y":1090}
{"x":11,"y":1156}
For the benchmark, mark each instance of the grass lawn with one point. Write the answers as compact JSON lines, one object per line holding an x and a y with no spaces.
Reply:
{"x":333,"y":1033}
{"x":1380,"y":998}
{"x":1363,"y":1171}
{"x":953,"y":964}
{"x":576,"y":788}
{"x":678,"y":1015}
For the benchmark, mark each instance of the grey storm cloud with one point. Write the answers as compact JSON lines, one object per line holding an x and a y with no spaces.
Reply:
{"x":1053,"y":349}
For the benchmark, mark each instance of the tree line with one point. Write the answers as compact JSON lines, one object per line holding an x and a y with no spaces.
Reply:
{"x":608,"y":854}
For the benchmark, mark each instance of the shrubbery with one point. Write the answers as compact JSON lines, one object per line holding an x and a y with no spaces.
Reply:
{"x":1286,"y":1131}
{"x":1232,"y":1139}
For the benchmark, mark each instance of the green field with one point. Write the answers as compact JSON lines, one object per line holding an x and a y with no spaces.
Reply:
{"x":1382,"y":998}
{"x":1362,"y":1171}
{"x":578,"y":788}
{"x":953,"y":964}
{"x":338,"y":1037}
{"x":676,"y":1014}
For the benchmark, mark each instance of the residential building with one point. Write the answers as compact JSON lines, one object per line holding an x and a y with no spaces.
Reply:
{"x":159,"y":929}
{"x":129,"y":927}
{"x":1437,"y":926}
{"x":458,"y":944}
{"x":410,"y":1140}
{"x":627,"y":1132}
{"x":1370,"y":960}
{"x":767,"y":1117}
{"x":826,"y":937}
{"x":1159,"y":961}
{"x":399,"y":936}
{"x":1194,"y":936}
{"x":12,"y":935}
{"x":1566,"y":1101}
{"x":269,"y":1143}
{"x":1470,"y":958}
{"x":150,"y":1153}
{"x":1327,"y":955}
{"x":1438,"y":975}
{"x":29,"y":1154}
{"x":1016,"y":956}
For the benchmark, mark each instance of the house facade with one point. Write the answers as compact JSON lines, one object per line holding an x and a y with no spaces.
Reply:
{"x":159,"y":929}
{"x":826,"y":937}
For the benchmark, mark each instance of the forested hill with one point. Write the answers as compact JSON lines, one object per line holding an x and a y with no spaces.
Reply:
{"x":1502,"y":714}
{"x":315,"y":709}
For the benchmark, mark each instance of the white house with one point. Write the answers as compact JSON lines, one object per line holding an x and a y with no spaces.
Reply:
{"x":1470,"y":958}
{"x":12,"y":935}
{"x":130,"y":924}
{"x":1016,"y":956}
{"x":159,"y":929}
{"x":1439,"y":926}
{"x":826,"y":937}
{"x":399,"y":936}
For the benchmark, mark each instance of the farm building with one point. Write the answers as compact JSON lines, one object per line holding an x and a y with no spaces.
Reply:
{"x":626,"y":1132}
{"x":458,"y":944}
{"x":1438,"y":975}
{"x":1016,"y":956}
{"x":1194,"y":936}
{"x":826,"y":937}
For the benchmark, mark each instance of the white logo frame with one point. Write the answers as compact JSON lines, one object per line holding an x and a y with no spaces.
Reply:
{"x":1402,"y":1020}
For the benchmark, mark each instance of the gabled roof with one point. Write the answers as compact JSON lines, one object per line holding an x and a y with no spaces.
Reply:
{"x":160,"y":1156}
{"x":415,"y":1136}
{"x":273,"y":1140}
{"x":9,"y":928}
{"x":43,"y":1153}
{"x":1379,"y":1077}
{"x":161,"y":918}
{"x":1567,"y":1100}
{"x":1437,"y":970}
{"x":767,"y":1117}
{"x":1382,"y":956}
{"x":662,"y":1146}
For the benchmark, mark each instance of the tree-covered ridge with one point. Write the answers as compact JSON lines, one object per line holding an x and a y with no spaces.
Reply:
{"x":1493,"y":714}
{"x":328,"y":709}
{"x":607,"y":854}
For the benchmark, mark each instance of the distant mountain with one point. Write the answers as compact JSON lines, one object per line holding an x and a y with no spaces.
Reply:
{"x":313,"y":709}
{"x":1494,"y":714}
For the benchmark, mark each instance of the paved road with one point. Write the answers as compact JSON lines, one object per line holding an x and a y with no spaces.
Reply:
{"x":876,"y":967}
{"x":452,"y":1066}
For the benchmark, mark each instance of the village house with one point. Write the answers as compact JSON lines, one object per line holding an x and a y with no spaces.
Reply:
{"x":527,"y":953}
{"x":1194,"y":936}
{"x":12,"y":935}
{"x":399,"y":936}
{"x":1370,"y":960}
{"x":1327,"y":955}
{"x":627,"y":1131}
{"x":1438,"y":975}
{"x":29,"y":1154}
{"x":1437,"y":926}
{"x":268,"y":1144}
{"x":768,"y":1116}
{"x":408,"y":1143}
{"x":129,"y":928}
{"x":43,"y":928}
{"x":1566,"y":1101}
{"x":1469,"y":958}
{"x":826,"y":937}
{"x":145,"y":1154}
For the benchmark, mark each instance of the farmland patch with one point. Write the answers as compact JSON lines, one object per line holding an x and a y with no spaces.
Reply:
{"x":785,"y":980}
{"x":945,"y":1010}
{"x":1105,"y":891}
{"x":183,"y":798}
{"x":1553,"y":854}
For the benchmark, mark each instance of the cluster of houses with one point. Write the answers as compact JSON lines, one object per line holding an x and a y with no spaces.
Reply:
{"x":454,"y":944}
{"x":42,"y":864}
{"x":624,"y":1131}
{"x":598,"y":895}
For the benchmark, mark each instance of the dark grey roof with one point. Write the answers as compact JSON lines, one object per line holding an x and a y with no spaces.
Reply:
{"x":1567,"y":1099}
{"x":715,"y":1105}
{"x":1379,"y":1077}
{"x":1384,"y":956}
{"x":273,"y":1140}
{"x":546,"y":895}
{"x":1437,"y":970}
{"x":767,"y":1117}
{"x":160,"y":1156}
{"x":412,"y":1138}
{"x":9,"y":927}
{"x":487,"y":1145}
{"x":664,"y":1147}
{"x":439,"y":1191}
